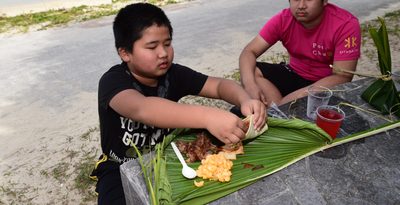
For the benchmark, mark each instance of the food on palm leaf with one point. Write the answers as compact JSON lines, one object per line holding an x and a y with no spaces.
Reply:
{"x":198,"y":149}
{"x":215,"y":167}
{"x":230,"y":151}
{"x":198,"y":183}
{"x":285,"y":142}
{"x":251,"y":131}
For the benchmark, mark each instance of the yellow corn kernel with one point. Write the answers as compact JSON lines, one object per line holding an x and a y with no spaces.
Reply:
{"x":215,"y":167}
{"x":198,"y":183}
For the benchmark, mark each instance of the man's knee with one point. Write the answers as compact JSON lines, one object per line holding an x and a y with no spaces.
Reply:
{"x":258,"y":73}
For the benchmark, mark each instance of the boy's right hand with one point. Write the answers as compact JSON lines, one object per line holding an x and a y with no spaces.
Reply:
{"x":225,"y":126}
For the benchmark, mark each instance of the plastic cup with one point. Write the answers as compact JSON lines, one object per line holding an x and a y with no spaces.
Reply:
{"x":329,"y":118}
{"x":317,"y":96}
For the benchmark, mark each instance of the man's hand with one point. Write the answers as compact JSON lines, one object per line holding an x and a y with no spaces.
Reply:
{"x":256,"y":93}
{"x":257,"y":108}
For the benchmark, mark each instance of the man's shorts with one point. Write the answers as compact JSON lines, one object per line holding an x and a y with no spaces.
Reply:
{"x":283,"y":77}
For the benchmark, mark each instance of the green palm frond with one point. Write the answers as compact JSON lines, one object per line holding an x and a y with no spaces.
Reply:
{"x":382,"y":94}
{"x":285,"y":142}
{"x":381,"y":41}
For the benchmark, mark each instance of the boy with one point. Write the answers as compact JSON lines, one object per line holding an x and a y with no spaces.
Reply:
{"x":138,"y":98}
{"x":316,"y":35}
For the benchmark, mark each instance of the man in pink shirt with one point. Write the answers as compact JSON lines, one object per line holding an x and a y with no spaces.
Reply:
{"x":316,"y":34}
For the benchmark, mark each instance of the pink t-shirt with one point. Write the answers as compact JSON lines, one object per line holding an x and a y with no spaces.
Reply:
{"x":311,"y":51}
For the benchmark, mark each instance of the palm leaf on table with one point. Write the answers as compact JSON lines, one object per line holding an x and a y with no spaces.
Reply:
{"x":285,"y":142}
{"x":382,"y":94}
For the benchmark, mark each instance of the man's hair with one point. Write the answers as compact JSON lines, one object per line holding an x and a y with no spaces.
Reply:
{"x":133,"y":19}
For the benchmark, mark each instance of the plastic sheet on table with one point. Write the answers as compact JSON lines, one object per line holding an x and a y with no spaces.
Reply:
{"x":275,"y":112}
{"x":133,"y":182}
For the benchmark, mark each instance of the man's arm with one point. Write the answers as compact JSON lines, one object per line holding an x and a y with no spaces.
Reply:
{"x":247,"y":66}
{"x":330,"y":81}
{"x":232,"y":92}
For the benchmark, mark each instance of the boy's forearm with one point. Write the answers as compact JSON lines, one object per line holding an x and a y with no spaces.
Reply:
{"x":168,"y":114}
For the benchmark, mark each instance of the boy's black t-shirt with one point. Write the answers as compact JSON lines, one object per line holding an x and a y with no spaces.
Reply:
{"x":117,"y":131}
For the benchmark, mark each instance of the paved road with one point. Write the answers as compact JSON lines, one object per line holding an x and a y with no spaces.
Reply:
{"x":49,"y":78}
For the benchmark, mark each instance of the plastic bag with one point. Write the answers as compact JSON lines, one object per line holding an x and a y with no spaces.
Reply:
{"x":275,"y":112}
{"x":133,"y":182}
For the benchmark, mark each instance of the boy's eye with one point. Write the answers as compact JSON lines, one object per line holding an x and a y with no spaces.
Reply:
{"x":151,"y":46}
{"x":167,"y":42}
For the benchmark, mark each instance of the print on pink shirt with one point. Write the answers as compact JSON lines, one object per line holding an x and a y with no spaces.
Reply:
{"x":350,"y":45}
{"x":321,"y":50}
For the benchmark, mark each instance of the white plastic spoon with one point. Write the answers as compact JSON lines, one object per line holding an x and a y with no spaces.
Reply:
{"x":187,"y":171}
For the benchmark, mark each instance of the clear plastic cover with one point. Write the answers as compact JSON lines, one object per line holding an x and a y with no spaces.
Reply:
{"x":275,"y":112}
{"x":133,"y":182}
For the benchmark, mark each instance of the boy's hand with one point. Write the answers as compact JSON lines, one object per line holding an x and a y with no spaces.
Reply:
{"x":257,"y":108}
{"x":225,"y":126}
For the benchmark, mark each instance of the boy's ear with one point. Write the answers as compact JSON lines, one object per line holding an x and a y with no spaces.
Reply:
{"x":123,"y":54}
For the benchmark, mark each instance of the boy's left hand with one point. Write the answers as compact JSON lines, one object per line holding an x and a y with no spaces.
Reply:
{"x":257,"y":108}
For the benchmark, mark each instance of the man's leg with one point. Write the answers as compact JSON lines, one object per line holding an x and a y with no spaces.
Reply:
{"x":270,"y":91}
{"x":278,"y":80}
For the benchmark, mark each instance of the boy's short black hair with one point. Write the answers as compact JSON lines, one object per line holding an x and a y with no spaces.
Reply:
{"x":133,"y":19}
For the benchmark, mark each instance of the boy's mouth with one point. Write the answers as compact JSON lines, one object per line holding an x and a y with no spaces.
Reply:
{"x":163,"y":65}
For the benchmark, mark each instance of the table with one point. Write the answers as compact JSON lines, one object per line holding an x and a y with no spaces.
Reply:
{"x":366,"y":171}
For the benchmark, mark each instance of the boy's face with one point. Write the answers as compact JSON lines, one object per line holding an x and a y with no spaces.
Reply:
{"x":307,"y":12}
{"x":151,"y":55}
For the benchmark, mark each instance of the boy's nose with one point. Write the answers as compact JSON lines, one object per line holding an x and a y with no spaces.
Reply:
{"x":162,"y":52}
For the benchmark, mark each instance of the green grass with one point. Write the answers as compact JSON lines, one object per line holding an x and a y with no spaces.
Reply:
{"x":392,"y":20}
{"x":83,"y":169}
{"x":393,"y":25}
{"x":59,"y":172}
{"x":86,"y":136}
{"x":82,"y":182}
{"x":53,"y":18}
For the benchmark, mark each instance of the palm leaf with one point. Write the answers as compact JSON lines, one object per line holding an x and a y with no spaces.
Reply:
{"x":286,"y":142}
{"x":381,"y":41}
{"x":382,"y":94}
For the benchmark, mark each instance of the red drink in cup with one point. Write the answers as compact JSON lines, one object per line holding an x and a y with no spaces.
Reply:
{"x":329,"y":118}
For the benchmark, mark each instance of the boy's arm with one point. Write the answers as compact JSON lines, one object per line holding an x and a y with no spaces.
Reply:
{"x":224,"y":89}
{"x":164,"y":113}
